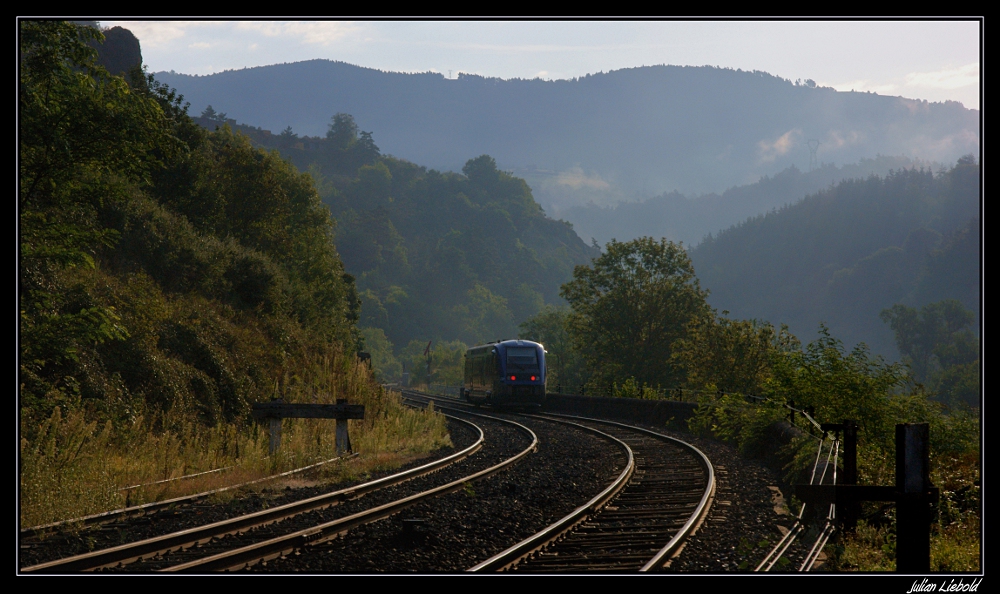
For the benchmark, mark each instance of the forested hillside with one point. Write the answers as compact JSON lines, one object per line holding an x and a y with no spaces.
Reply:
{"x":170,"y":277}
{"x":437,"y":256}
{"x":636,"y":132}
{"x":690,"y":218}
{"x":843,"y":255}
{"x":163,"y":267}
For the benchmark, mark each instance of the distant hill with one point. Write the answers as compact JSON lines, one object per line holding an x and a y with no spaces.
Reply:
{"x":440,"y":256}
{"x":631,"y":133}
{"x":842,"y":255}
{"x":691,"y":219}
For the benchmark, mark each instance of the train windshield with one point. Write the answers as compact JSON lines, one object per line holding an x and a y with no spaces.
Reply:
{"x":523,"y":358}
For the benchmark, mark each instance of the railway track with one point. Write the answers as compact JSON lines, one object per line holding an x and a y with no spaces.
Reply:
{"x":119,"y":515}
{"x":636,"y":524}
{"x":643,"y":522}
{"x":457,"y":531}
{"x":824,"y":472}
{"x":238,"y":541}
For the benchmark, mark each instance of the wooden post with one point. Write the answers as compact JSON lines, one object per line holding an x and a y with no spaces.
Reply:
{"x":343,"y":439}
{"x":851,"y":509}
{"x":341,"y":411}
{"x":274,"y":425}
{"x":913,"y":513}
{"x":913,"y":492}
{"x":275,"y":442}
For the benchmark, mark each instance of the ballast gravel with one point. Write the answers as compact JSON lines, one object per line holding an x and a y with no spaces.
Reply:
{"x":454,"y":532}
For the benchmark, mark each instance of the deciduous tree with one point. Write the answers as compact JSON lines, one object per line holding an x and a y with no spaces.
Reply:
{"x":631,"y":306}
{"x":934,"y":337}
{"x":731,"y":355}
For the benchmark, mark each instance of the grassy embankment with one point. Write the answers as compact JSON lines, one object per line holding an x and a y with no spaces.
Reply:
{"x":75,"y":467}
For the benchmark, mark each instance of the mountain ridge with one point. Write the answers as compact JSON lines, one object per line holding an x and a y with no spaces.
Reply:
{"x":644,"y":130}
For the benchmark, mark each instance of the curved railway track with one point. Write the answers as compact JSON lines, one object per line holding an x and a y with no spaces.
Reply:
{"x":119,"y":515}
{"x":636,"y":525}
{"x":457,"y":531}
{"x":174,"y":552}
{"x":824,"y":472}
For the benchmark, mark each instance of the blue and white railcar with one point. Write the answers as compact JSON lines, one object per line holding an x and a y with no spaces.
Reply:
{"x":507,"y":373}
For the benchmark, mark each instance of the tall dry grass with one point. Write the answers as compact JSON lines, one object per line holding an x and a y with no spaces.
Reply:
{"x":74,"y":466}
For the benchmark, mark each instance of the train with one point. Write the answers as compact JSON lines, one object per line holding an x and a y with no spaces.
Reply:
{"x":505,"y":374}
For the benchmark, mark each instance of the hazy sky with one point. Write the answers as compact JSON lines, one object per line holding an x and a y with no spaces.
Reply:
{"x":933,"y":60}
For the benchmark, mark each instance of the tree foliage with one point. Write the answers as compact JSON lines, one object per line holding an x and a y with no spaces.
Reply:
{"x":162,"y":267}
{"x":83,"y":136}
{"x":729,"y":355}
{"x":940,"y":348}
{"x":564,"y":366}
{"x":438,"y":255}
{"x":343,"y":131}
{"x":630,"y":309}
{"x":836,"y":384}
{"x":842,"y":255}
{"x":936,"y":336}
{"x":840,"y":384}
{"x":447,"y":362}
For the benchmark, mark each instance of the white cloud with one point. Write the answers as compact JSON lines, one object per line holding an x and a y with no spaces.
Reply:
{"x":318,"y":33}
{"x":864,"y":85}
{"x":935,"y":85}
{"x":200,"y":45}
{"x":153,"y":34}
{"x":946,"y":78}
{"x":942,"y":149}
{"x":525,"y":48}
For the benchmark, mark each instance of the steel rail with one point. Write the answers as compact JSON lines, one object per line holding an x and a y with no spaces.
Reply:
{"x":516,"y":552}
{"x":778,"y":551}
{"x":269,"y":549}
{"x":166,"y":542}
{"x":157,"y":505}
{"x":144,"y":508}
{"x":707,"y":497}
{"x":176,"y":478}
{"x":828,"y":528}
{"x":817,"y":547}
{"x":659,"y":558}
